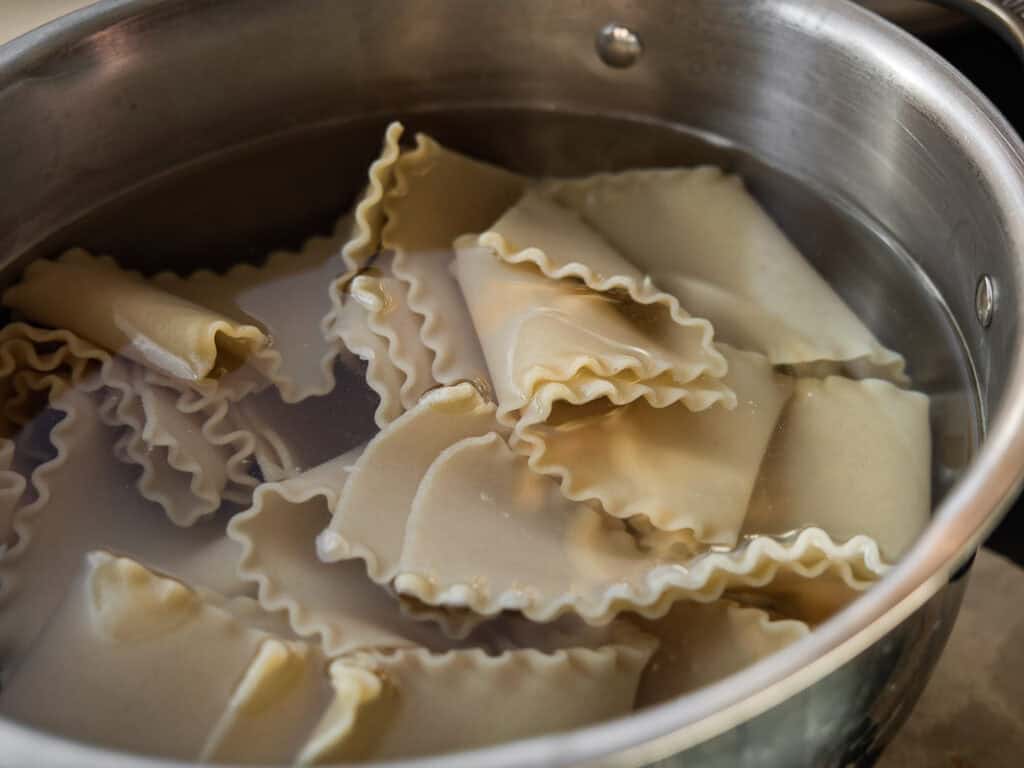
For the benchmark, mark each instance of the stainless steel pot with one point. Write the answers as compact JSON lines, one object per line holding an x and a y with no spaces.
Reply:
{"x":98,"y":102}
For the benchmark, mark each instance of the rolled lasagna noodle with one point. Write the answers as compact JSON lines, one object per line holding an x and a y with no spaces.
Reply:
{"x":286,"y":298}
{"x":126,"y":314}
{"x":702,"y":236}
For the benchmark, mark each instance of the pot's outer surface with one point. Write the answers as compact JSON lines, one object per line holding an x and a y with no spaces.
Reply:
{"x":123,"y":91}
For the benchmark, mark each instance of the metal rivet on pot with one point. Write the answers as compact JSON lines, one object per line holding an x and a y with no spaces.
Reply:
{"x":985,"y":300}
{"x":618,"y":46}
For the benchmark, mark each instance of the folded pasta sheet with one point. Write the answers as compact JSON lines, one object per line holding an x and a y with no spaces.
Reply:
{"x":333,"y":602}
{"x":363,"y":242}
{"x":416,"y":203}
{"x":852,"y":457}
{"x":143,"y":649}
{"x":193,"y":455}
{"x":703,"y":237}
{"x":124,"y":313}
{"x":34,"y":364}
{"x":129,"y":649}
{"x":579,"y":560}
{"x":440,"y":506}
{"x":680,"y":469}
{"x":385,"y":299}
{"x":701,"y":643}
{"x":411,"y":703}
{"x":368,"y":218}
{"x":789,"y":594}
{"x":84,"y":499}
{"x":370,"y":517}
{"x":436,"y":196}
{"x":286,"y":298}
{"x":352,"y":324}
{"x":561,"y":315}
{"x":192,"y":462}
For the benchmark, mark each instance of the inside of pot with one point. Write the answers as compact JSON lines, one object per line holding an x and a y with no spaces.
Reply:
{"x":239,"y":206}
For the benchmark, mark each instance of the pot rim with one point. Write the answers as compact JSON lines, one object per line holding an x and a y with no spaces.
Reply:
{"x":964,"y":517}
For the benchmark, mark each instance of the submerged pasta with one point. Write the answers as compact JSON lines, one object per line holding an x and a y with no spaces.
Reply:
{"x":495,"y":457}
{"x":702,"y":236}
{"x":124,"y":313}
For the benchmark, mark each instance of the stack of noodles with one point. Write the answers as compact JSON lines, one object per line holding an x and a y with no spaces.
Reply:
{"x":625,"y":441}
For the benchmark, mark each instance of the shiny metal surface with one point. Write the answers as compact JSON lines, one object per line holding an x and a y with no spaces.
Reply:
{"x":985,"y":301}
{"x":1005,"y":17}
{"x":920,"y":17}
{"x":618,"y":46}
{"x":130,"y":89}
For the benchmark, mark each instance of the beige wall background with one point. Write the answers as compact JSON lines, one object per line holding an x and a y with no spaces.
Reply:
{"x":19,"y":16}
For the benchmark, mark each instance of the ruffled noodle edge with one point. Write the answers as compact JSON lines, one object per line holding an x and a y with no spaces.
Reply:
{"x":383,"y":376}
{"x":61,"y":437}
{"x":381,"y":319}
{"x":275,"y":598}
{"x":142,"y":439}
{"x":368,"y":219}
{"x":268,"y":361}
{"x":271,"y":596}
{"x":810,"y":554}
{"x":93,"y":370}
{"x":527,"y":440}
{"x":644,"y":293}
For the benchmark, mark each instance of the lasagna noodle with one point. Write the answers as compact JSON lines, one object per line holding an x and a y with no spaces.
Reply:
{"x":383,"y":376}
{"x":438,"y":195}
{"x":851,"y":457}
{"x":62,"y":523}
{"x":552,"y":302}
{"x":388,"y":705}
{"x":192,"y":458}
{"x":702,"y":236}
{"x":370,"y":516}
{"x":287,"y":298}
{"x":192,"y":462}
{"x":138,"y":649}
{"x":682,"y":470}
{"x":390,"y":317}
{"x":127,"y":314}
{"x":363,"y":242}
{"x":521,"y":545}
{"x":333,"y":602}
{"x":439,"y":506}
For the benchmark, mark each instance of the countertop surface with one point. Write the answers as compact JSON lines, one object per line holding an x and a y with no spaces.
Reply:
{"x":972,"y":713}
